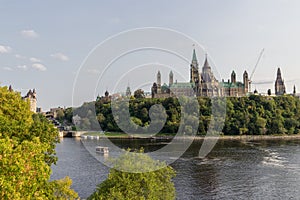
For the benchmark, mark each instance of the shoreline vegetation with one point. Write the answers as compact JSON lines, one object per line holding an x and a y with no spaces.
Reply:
{"x":234,"y":116}
{"x":120,"y":135}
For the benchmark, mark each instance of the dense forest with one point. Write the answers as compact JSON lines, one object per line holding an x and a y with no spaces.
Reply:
{"x":253,"y":115}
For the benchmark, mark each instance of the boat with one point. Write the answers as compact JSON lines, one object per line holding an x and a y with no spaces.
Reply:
{"x":102,"y":150}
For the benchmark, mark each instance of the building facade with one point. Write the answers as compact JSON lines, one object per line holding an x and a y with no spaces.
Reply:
{"x":31,"y":97}
{"x":202,"y":83}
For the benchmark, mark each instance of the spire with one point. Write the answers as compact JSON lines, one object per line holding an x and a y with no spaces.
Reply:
{"x":194,"y":56}
{"x":279,"y":84}
{"x":279,"y":73}
{"x":206,"y":64}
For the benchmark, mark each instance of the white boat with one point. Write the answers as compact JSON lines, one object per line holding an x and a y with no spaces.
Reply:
{"x":102,"y":150}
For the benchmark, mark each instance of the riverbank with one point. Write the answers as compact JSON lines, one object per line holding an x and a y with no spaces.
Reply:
{"x":221,"y":137}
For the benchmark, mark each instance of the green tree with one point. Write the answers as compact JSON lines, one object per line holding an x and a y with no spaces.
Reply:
{"x":27,"y":150}
{"x":139,"y":94}
{"x":136,"y":186}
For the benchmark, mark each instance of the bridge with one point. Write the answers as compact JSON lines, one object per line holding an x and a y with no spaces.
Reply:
{"x":72,"y":133}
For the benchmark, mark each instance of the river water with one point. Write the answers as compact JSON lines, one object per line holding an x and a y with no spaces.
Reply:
{"x":232,"y":170}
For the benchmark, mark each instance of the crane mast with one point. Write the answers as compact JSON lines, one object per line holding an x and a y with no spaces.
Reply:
{"x":255,"y":67}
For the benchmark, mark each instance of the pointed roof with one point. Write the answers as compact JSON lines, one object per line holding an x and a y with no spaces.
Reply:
{"x":194,"y":56}
{"x":294,"y":91}
{"x":171,"y":73}
{"x":206,"y":64}
{"x":278,"y":71}
{"x":233,"y":72}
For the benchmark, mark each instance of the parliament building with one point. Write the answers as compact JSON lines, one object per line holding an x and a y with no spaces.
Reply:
{"x":202,"y":83}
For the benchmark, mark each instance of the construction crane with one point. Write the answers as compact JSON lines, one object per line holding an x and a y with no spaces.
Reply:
{"x":255,"y":67}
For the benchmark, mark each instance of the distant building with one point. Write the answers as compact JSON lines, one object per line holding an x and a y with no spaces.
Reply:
{"x":128,"y":92}
{"x":202,"y":83}
{"x":279,"y":84}
{"x":31,"y":96}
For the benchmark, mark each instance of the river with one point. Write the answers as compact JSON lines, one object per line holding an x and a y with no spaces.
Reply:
{"x":267,"y":169}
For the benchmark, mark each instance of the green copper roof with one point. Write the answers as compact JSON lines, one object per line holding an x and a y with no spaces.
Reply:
{"x":183,"y":85}
{"x":194,"y":55}
{"x":232,"y":85}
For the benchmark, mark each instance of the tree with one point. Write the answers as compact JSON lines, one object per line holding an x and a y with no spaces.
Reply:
{"x":134,"y":186}
{"x":27,"y":150}
{"x":61,"y":189}
{"x":139,"y":94}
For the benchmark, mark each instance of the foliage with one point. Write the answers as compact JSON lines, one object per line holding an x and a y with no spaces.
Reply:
{"x":61,"y":189}
{"x":253,"y":115}
{"x":139,"y":94}
{"x":24,"y":173}
{"x":27,"y":150}
{"x":135,"y":186}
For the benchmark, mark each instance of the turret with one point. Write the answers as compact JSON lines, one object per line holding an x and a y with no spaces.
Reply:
{"x":294,"y":91}
{"x":279,"y":84}
{"x":171,"y":78}
{"x":246,"y":81}
{"x":233,"y":77}
{"x":158,"y":78}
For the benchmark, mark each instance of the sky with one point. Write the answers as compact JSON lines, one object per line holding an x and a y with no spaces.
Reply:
{"x":51,"y":45}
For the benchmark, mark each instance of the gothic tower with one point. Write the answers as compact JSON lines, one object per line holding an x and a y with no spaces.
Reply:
{"x":279,"y":84}
{"x":170,"y":78}
{"x":158,"y":82}
{"x":246,"y":82}
{"x":31,"y":96}
{"x":194,"y":69}
{"x":233,"y":77}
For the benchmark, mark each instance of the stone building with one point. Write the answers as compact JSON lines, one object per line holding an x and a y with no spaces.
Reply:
{"x":233,"y":88}
{"x":31,"y":96}
{"x":279,"y":84}
{"x":202,"y":83}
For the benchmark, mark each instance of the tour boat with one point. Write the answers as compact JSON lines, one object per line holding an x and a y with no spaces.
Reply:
{"x":102,"y":150}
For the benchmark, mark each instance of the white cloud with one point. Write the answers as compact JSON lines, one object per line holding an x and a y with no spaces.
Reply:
{"x":93,"y":71}
{"x":5,"y":49}
{"x":31,"y":34}
{"x":60,"y":56}
{"x":22,"y":67}
{"x":7,"y":68}
{"x":39,"y":67}
{"x":33,"y":59}
{"x":20,"y":56}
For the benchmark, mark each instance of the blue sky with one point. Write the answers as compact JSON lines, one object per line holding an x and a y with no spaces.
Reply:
{"x":43,"y":43}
